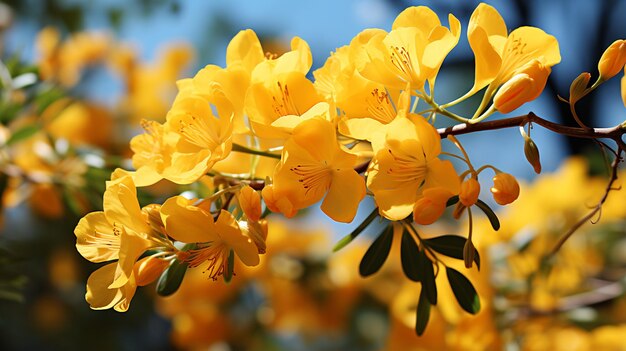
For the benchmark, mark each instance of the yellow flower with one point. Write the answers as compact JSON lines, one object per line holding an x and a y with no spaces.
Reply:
{"x":624,"y":87}
{"x":498,"y":56}
{"x":505,"y":188}
{"x":408,"y":158}
{"x":120,"y":232}
{"x":314,"y":166}
{"x":613,"y":59}
{"x":470,"y":189}
{"x":203,"y":139}
{"x":214,"y":239}
{"x":412,"y":52}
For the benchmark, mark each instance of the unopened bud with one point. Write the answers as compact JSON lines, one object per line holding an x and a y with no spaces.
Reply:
{"x":469,"y":251}
{"x":505,"y":188}
{"x":578,"y":87}
{"x":523,"y":87}
{"x":148,"y":269}
{"x":430,"y":206}
{"x":532,"y":154}
{"x":470,"y":189}
{"x":250,"y":202}
{"x":613,"y":59}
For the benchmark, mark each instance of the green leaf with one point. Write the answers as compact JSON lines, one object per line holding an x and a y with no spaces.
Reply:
{"x":452,"y":201}
{"x":463,"y":290}
{"x":172,"y":277}
{"x":348,"y":238}
{"x":451,"y":246}
{"x":493,"y":219}
{"x":427,"y":274}
{"x":228,"y":275}
{"x":422,"y":314}
{"x":409,"y":255}
{"x":377,"y":253}
{"x":23,"y":133}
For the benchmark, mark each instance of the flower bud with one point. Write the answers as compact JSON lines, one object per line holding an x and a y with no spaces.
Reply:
{"x":613,"y":59}
{"x":523,"y":87}
{"x":505,"y":188}
{"x":532,"y":154}
{"x":277,"y":203}
{"x":469,"y":192}
{"x":578,"y":87}
{"x":431,"y":205}
{"x":250,"y":202}
{"x":148,"y":269}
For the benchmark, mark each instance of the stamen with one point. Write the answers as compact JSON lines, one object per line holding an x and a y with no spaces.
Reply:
{"x":215,"y":253}
{"x":283,"y":104}
{"x":407,"y":168}
{"x":379,"y":106}
{"x":197,"y":131}
{"x":314,"y":177}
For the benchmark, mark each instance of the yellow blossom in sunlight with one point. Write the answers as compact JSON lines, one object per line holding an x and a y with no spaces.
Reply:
{"x":505,"y":188}
{"x":613,"y":59}
{"x":412,"y":52}
{"x":250,"y":202}
{"x":431,"y":205}
{"x":65,"y":60}
{"x":149,"y":86}
{"x":75,"y":122}
{"x":526,"y":85}
{"x":120,"y":232}
{"x":408,"y":157}
{"x":152,"y":153}
{"x":314,"y":166}
{"x":214,"y":238}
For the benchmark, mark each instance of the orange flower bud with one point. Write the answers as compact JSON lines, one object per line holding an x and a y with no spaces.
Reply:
{"x":523,"y":87}
{"x":469,"y":192}
{"x":148,"y":269}
{"x":613,"y":59}
{"x":505,"y":188}
{"x":430,"y":206}
{"x":250,"y":202}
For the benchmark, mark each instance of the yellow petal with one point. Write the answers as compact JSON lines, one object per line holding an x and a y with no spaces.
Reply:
{"x":245,"y":49}
{"x":486,"y":34}
{"x":228,"y":230}
{"x":95,"y":238}
{"x":442,"y":174}
{"x":318,"y":137}
{"x":185,"y":222}
{"x":131,"y":247}
{"x":121,"y":206}
{"x":98,"y":295}
{"x":624,"y":87}
{"x":360,"y":128}
{"x":421,"y":17}
{"x":346,"y":192}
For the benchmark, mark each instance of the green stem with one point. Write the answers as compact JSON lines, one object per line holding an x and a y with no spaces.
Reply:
{"x":247,"y":150}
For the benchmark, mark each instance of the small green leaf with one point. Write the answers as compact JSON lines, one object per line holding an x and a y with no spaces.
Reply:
{"x":451,"y":246}
{"x":422,"y":314}
{"x":377,"y":253}
{"x":409,"y":255}
{"x":427,"y":274}
{"x":23,"y":133}
{"x":228,"y":275}
{"x":171,"y":278}
{"x":452,"y":201}
{"x":493,"y":219}
{"x":463,"y":290}
{"x":348,"y":238}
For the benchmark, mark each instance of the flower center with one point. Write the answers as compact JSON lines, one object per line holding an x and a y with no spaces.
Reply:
{"x":401,"y":59}
{"x":406,"y":168}
{"x":282,"y":103}
{"x":313,"y":177}
{"x":197,"y":131}
{"x":216,"y":253}
{"x":379,"y":106}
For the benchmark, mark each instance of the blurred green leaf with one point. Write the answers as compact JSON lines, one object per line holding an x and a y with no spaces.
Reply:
{"x":348,"y":238}
{"x":23,"y":133}
{"x":422,"y":314}
{"x":493,"y":219}
{"x":427,"y":274}
{"x":409,"y":255}
{"x":451,"y":246}
{"x":172,"y":277}
{"x":377,"y":253}
{"x":463,"y":290}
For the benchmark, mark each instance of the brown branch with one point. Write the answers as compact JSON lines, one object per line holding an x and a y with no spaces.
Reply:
{"x":614,"y":133}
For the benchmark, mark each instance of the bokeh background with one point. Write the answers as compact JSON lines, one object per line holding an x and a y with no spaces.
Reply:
{"x":303,"y":298}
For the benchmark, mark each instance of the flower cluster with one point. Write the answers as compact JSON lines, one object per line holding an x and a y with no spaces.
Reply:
{"x":259,"y":131}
